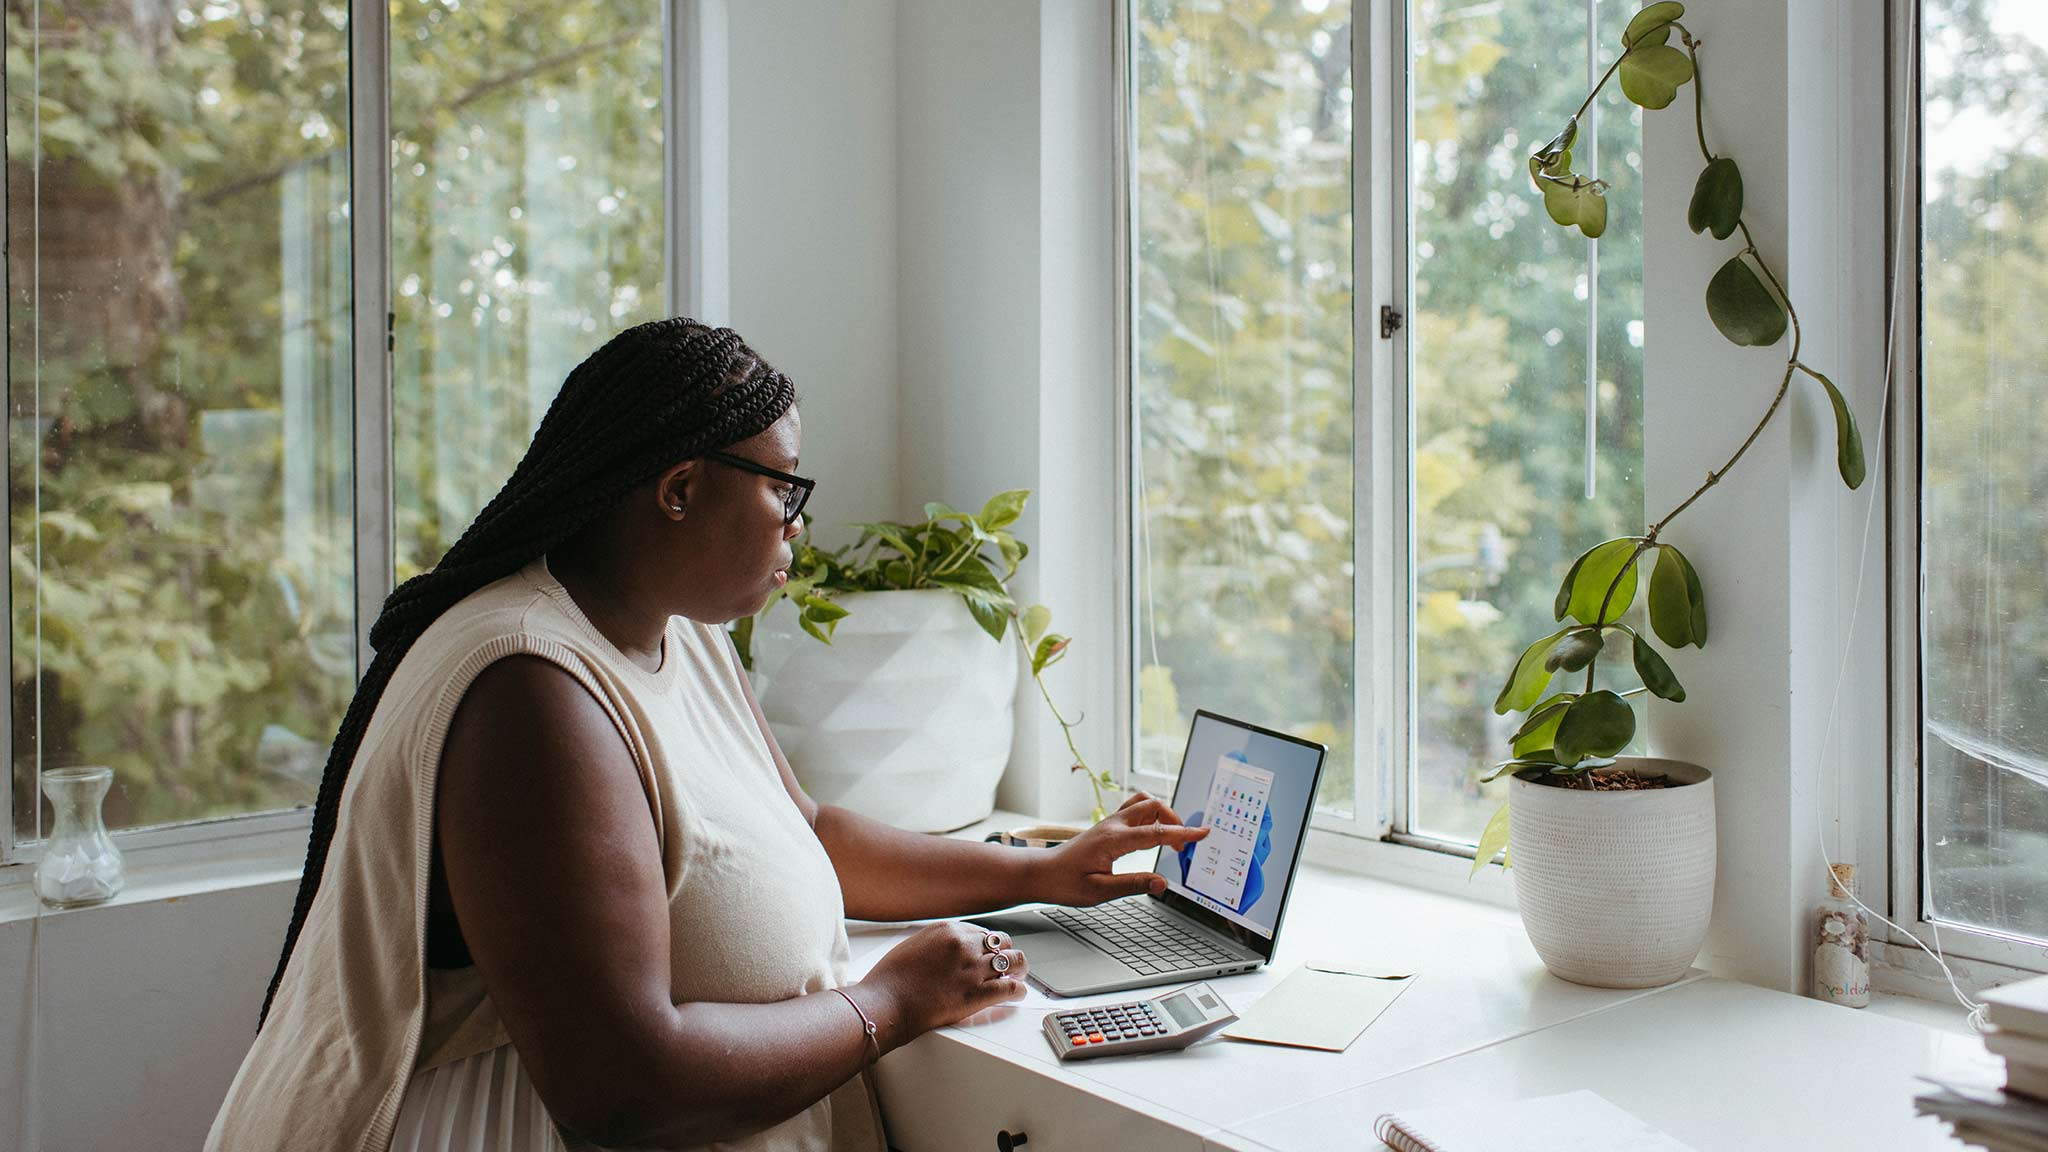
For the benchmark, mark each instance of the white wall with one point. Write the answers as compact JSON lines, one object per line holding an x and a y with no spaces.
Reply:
{"x":1008,"y":381}
{"x":813,"y":214}
{"x":1776,"y":542}
{"x":146,"y":1008}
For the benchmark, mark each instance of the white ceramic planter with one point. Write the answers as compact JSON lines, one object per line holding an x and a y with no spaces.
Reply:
{"x":1615,"y":888}
{"x":906,"y":716}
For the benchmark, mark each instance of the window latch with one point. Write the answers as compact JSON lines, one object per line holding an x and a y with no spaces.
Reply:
{"x":1390,"y":321}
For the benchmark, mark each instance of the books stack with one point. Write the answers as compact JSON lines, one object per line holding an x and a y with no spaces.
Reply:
{"x":2015,"y":1120}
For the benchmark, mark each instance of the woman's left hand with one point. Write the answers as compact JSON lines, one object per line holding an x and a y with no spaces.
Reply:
{"x":1080,"y":872}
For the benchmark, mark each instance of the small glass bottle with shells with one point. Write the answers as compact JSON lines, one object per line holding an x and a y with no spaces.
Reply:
{"x":1841,"y":943}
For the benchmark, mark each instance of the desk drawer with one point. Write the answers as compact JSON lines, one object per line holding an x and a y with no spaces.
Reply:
{"x":941,"y":1095}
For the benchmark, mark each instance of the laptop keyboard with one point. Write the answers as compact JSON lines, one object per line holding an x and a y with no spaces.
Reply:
{"x":1139,"y":937}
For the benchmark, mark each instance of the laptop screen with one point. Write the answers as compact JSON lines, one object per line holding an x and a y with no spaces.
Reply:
{"x":1252,"y":789}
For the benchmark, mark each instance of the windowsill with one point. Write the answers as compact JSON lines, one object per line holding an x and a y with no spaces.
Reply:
{"x":179,"y":862}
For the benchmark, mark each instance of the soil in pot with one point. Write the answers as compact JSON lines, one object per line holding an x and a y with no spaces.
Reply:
{"x":1605,"y":780}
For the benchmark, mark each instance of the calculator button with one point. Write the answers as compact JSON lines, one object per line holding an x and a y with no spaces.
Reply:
{"x":1096,"y":1038}
{"x":1078,"y":1040}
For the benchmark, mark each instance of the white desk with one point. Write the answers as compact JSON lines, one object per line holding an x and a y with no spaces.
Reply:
{"x":1724,"y":1067}
{"x":1719,"y":1065}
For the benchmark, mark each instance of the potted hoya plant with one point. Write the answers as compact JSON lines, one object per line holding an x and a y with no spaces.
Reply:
{"x":885,"y":668}
{"x":1614,"y":855}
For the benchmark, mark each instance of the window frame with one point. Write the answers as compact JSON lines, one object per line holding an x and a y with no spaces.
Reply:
{"x":1996,"y":956}
{"x":696,"y":279}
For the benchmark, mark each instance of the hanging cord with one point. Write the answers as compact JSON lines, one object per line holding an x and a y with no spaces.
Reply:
{"x":1975,"y":1007}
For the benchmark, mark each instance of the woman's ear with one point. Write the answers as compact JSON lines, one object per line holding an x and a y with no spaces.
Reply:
{"x":672,"y":489}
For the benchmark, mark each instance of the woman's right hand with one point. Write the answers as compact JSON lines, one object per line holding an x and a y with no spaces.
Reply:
{"x":942,"y":975}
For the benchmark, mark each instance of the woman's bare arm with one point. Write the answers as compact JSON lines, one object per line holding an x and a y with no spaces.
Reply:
{"x":556,"y":878}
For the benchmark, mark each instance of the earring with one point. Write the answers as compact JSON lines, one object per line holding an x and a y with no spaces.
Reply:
{"x":676,"y":508}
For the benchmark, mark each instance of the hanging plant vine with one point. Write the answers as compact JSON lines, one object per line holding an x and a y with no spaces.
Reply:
{"x":1566,"y":734}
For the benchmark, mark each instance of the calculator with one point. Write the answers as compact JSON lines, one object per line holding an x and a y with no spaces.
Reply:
{"x":1174,"y":1020}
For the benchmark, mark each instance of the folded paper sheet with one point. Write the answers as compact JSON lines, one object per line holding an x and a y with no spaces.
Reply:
{"x":1320,"y":1005}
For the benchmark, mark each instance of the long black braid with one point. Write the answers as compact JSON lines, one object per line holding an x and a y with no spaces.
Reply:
{"x":653,"y":396}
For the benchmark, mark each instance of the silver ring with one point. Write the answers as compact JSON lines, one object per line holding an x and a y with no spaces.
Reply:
{"x":1000,"y":963}
{"x":993,"y":942}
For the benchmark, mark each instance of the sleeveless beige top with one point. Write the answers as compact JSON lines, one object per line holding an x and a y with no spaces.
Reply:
{"x":755,"y":909}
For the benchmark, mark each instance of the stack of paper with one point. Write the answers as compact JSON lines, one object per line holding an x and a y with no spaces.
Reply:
{"x":2015,"y":1120}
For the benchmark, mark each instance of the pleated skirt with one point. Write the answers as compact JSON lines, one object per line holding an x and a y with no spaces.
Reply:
{"x":483,"y":1103}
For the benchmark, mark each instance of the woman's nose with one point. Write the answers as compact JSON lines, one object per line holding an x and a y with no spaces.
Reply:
{"x":794,"y":528}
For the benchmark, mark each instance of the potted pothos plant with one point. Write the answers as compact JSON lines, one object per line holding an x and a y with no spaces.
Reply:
{"x":899,"y":703}
{"x":1614,"y":855}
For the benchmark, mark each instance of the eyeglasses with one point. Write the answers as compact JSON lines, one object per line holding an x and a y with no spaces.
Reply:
{"x":793,"y":501}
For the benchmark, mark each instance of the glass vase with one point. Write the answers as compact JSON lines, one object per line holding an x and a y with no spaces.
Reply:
{"x":80,"y":864}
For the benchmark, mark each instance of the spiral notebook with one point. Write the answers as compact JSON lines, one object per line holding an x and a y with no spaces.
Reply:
{"x":1571,"y":1122}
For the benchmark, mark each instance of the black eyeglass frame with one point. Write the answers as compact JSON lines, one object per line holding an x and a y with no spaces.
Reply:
{"x":800,"y":488}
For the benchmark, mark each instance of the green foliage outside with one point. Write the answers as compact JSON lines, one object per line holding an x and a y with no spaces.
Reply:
{"x":181,"y":537}
{"x":1243,"y":318}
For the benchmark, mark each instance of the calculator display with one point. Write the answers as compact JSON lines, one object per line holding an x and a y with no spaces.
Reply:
{"x":1182,"y":1010}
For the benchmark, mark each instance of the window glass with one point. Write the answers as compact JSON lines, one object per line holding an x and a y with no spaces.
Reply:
{"x":1241,"y":316}
{"x":526,"y":228}
{"x":179,"y":484}
{"x":1984,"y":464}
{"x":1506,"y":312}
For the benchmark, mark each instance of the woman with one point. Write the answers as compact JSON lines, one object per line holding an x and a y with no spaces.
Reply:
{"x":562,"y":888}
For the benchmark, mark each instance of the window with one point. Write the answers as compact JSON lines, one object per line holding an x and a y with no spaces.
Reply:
{"x":1240,"y":313}
{"x":526,"y":224}
{"x":1524,"y":370}
{"x":186,"y":501}
{"x":1981,"y":527}
{"x":179,"y":482}
{"x":1516,"y":382}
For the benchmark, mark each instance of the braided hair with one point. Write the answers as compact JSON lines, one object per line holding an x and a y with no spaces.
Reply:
{"x":655,"y":394}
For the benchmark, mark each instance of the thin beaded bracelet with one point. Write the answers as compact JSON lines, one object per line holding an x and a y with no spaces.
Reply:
{"x":874,"y":1042}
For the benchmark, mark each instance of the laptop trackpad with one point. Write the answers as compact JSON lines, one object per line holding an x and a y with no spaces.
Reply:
{"x":1057,"y":960}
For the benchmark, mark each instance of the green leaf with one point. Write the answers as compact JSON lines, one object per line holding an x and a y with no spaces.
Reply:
{"x":1742,"y":308}
{"x":1492,"y":840}
{"x":1597,"y":724}
{"x":891,"y":534}
{"x":1586,"y":586}
{"x":1573,"y":200}
{"x":1575,"y":651}
{"x":1516,"y":765}
{"x":1652,"y":74}
{"x":1527,"y":682}
{"x":1003,"y":508}
{"x":1550,"y":706}
{"x":984,"y":595}
{"x":822,"y":632}
{"x":743,"y":641}
{"x":1656,"y":674}
{"x":1651,"y":20}
{"x":1716,"y":199}
{"x":1036,"y":620}
{"x":1537,"y":737}
{"x":823,"y":611}
{"x":1048,"y":653}
{"x":1848,"y":441}
{"x":993,"y":618}
{"x":937,"y":511}
{"x":1678,"y":607}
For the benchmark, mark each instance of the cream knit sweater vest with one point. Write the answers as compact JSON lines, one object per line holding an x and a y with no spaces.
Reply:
{"x":755,"y":911}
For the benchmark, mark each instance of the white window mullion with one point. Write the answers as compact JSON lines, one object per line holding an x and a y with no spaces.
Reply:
{"x":697,"y":278}
{"x":369,"y":217}
{"x":1123,"y":258}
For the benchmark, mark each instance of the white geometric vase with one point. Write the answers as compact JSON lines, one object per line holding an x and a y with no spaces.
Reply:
{"x":1615,"y":888}
{"x":906,"y":716}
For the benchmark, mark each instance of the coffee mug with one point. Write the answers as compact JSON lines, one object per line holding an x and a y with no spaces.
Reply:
{"x":1034,"y":836}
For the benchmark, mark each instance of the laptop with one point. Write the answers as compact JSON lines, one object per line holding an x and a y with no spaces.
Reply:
{"x":1225,"y":894}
